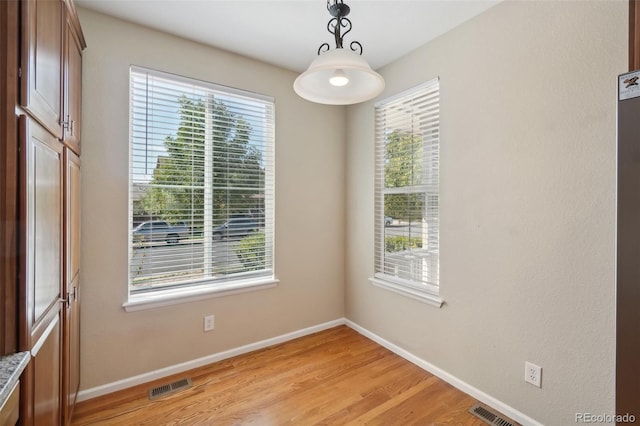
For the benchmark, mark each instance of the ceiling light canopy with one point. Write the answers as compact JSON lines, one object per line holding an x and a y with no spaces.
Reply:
{"x":339,"y":76}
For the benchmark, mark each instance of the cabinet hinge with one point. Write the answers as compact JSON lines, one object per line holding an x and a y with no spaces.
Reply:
{"x":19,"y":72}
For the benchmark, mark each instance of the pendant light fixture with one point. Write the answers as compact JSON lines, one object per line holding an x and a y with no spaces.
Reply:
{"x":339,"y":76}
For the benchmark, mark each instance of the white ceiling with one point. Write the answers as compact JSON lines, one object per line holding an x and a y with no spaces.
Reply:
{"x":288,"y":33}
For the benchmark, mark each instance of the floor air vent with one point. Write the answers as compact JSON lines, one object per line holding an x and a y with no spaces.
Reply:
{"x":490,"y":417}
{"x":163,"y":390}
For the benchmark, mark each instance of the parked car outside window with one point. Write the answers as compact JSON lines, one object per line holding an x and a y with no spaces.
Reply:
{"x":236,"y":227}
{"x":159,"y":230}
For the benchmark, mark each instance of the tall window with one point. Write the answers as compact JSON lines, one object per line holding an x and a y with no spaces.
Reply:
{"x":407,"y":191}
{"x":201,"y":186}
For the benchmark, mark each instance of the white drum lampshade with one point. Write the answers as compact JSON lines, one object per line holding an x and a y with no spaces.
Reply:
{"x":339,"y":77}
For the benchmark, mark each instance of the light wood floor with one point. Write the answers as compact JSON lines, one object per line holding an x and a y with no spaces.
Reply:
{"x":334,"y":377}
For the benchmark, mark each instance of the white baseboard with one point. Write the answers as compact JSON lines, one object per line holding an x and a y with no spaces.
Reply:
{"x":449,"y":378}
{"x":189,"y":365}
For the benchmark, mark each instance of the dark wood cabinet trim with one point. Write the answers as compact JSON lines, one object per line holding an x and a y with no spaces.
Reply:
{"x":634,"y":35}
{"x":9,"y":30}
{"x":75,"y":23}
{"x":24,"y":325}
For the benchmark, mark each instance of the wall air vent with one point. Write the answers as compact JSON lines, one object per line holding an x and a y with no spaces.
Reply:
{"x":489,"y":416}
{"x":162,"y":390}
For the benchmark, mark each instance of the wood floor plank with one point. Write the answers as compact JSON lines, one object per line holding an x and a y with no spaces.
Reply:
{"x":335,"y":377}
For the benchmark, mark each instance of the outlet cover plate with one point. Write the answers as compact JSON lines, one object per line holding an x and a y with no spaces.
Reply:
{"x":533,"y":374}
{"x":209,"y":323}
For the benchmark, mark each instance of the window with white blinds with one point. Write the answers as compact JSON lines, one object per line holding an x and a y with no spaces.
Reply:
{"x":407,"y":192}
{"x":201,"y":185}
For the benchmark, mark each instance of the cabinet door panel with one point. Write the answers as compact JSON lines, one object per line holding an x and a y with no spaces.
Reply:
{"x":44,"y":209}
{"x":73,"y":87}
{"x":41,"y":92}
{"x":71,"y":350}
{"x":72,"y":215}
{"x":46,"y":373}
{"x":71,"y":346}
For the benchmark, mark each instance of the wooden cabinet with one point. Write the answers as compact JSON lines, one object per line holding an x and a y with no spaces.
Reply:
{"x":42,"y":203}
{"x":52,"y":67}
{"x":42,"y":167}
{"x":49,"y":267}
{"x":44,"y":372}
{"x":71,"y":343}
{"x":74,"y":44}
{"x":40,"y":109}
{"x":10,"y":411}
{"x":42,"y":62}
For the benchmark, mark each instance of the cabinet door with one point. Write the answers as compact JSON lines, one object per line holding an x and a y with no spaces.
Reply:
{"x":41,"y":185}
{"x":72,"y":216}
{"x":45,"y":362}
{"x":71,"y":345}
{"x":73,"y":86}
{"x":42,"y":42}
{"x":71,"y":351}
{"x":43,"y":198}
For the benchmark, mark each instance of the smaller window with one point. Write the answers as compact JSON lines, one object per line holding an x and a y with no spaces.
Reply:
{"x":407,"y":193}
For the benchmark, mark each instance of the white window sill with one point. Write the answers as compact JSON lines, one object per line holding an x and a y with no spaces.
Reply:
{"x":169,"y":297}
{"x":411,"y":291}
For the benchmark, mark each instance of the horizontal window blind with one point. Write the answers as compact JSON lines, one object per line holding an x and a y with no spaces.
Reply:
{"x":407,"y":188}
{"x":201,"y":183}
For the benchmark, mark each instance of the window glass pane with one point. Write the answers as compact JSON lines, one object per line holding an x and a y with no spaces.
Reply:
{"x":411,"y":240}
{"x":404,"y":158}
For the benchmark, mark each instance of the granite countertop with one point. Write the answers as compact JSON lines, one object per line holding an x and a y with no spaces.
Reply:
{"x":11,"y":367}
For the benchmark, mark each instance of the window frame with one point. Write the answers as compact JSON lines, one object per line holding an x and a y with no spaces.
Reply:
{"x":207,"y":286}
{"x":422,"y":291}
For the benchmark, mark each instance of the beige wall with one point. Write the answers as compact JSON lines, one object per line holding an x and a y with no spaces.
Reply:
{"x":310,"y":156}
{"x":527,"y":208}
{"x":528,"y":99}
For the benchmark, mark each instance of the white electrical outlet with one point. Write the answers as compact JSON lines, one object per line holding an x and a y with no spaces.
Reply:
{"x":533,"y":374}
{"x":209,"y":322}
